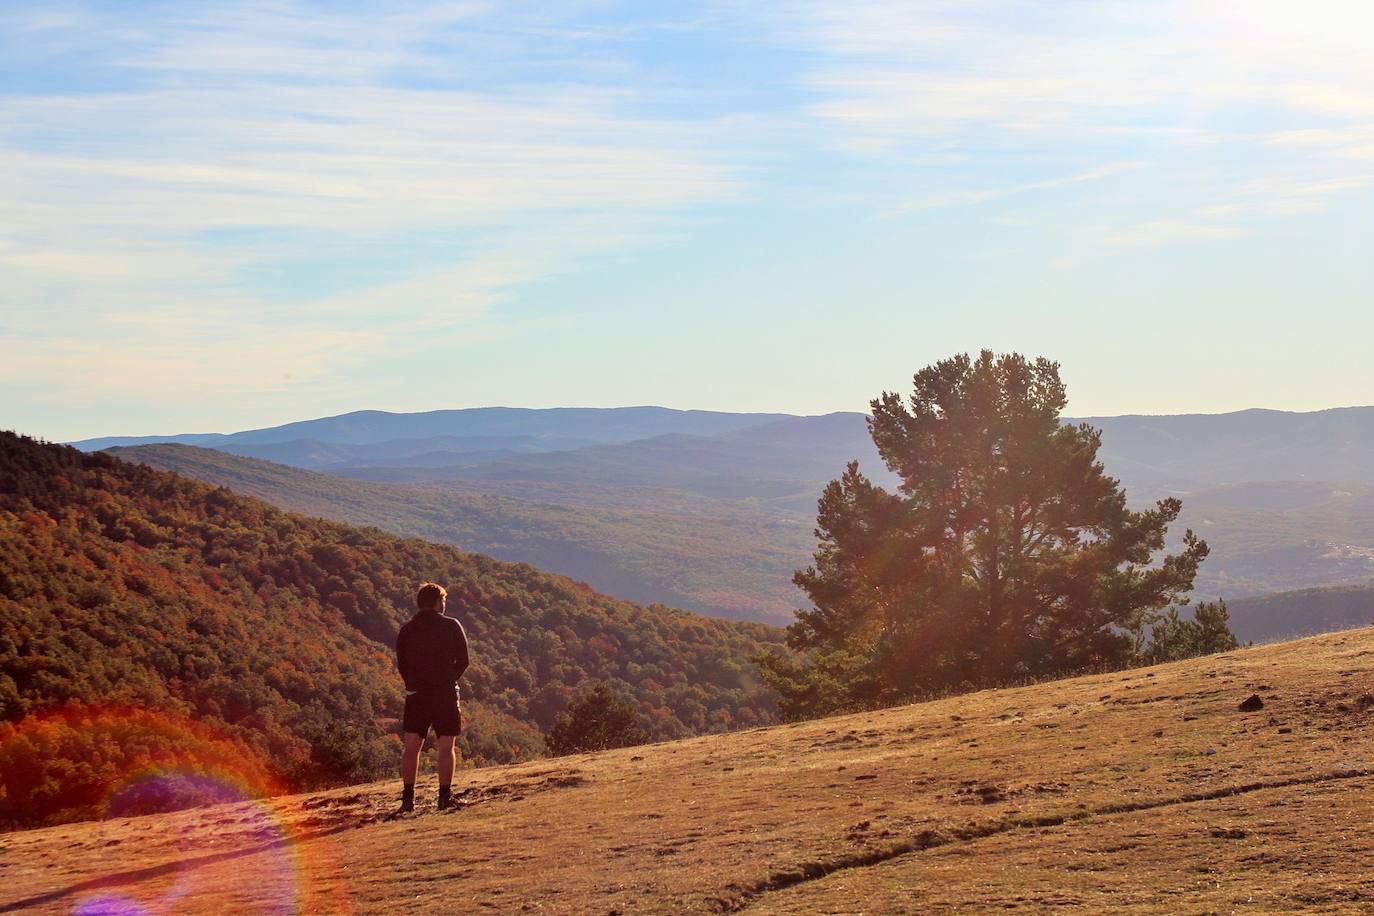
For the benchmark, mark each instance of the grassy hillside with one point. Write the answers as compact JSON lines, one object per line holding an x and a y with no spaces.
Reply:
{"x":1147,"y":791}
{"x":146,"y":617}
{"x":678,"y":549}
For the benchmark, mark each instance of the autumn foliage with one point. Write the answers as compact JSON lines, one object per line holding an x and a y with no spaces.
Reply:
{"x":123,"y":587}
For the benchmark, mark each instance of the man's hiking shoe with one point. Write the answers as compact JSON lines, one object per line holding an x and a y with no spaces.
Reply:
{"x":446,"y":801}
{"x":407,"y":807}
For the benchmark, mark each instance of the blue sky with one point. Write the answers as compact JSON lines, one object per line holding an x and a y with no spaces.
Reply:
{"x":226,"y":215}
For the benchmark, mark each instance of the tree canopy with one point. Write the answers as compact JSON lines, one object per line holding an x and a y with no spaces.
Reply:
{"x":1006,"y":552}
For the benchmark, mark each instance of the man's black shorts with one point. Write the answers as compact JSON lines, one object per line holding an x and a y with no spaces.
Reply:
{"x":439,"y":710}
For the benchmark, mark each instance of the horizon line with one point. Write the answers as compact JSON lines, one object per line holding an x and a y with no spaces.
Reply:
{"x":779,"y":414}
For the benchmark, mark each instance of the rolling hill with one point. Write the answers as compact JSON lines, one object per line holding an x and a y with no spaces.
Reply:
{"x":1147,"y":791}
{"x":714,"y":512}
{"x":735,"y":557}
{"x":147,"y":617}
{"x":1152,"y":455}
{"x":1167,"y":454}
{"x":782,"y":464}
{"x":1288,"y":615}
{"x":684,"y":550}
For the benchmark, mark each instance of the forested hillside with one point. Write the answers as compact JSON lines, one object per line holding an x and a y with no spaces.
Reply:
{"x":714,"y":556}
{"x":149,"y":618}
{"x":1279,"y":536}
{"x":1289,"y":615}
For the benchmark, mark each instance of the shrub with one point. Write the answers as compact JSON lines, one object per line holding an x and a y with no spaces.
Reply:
{"x":600,"y":720}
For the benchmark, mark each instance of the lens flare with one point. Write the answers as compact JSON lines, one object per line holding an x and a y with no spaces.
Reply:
{"x":242,"y":844}
{"x":110,"y":905}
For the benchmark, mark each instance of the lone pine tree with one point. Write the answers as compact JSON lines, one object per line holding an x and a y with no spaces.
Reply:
{"x":1173,"y":637}
{"x":1005,"y":553}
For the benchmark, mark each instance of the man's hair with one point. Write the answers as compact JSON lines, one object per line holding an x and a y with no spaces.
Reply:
{"x":429,"y":595}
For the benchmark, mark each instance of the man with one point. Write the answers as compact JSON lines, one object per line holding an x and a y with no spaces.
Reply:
{"x":432,"y":653}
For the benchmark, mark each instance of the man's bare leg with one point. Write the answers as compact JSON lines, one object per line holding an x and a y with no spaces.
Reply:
{"x":410,"y":765}
{"x":445,"y":767}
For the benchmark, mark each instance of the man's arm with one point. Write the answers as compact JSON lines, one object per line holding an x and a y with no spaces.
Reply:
{"x":403,"y":656}
{"x":460,"y":650}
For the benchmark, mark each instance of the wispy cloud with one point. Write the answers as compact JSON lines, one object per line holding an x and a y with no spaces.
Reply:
{"x":1194,"y":88}
{"x":1162,"y":231}
{"x":211,"y":200}
{"x":205,"y":143}
{"x":1098,"y":173}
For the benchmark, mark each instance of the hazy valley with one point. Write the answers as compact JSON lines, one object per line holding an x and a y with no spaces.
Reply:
{"x":714,"y":512}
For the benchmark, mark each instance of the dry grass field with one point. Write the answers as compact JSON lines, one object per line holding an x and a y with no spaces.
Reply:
{"x":1142,"y":791}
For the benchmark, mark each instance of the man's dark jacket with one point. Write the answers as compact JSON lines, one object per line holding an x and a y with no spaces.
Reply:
{"x":432,"y":653}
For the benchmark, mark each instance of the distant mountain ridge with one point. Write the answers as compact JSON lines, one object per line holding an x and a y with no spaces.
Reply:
{"x":1153,"y":455}
{"x":367,"y":427}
